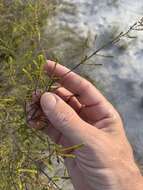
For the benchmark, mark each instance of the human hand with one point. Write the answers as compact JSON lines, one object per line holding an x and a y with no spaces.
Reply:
{"x":79,"y":114}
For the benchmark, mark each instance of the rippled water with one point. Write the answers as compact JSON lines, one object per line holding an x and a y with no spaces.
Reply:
{"x":122,"y":76}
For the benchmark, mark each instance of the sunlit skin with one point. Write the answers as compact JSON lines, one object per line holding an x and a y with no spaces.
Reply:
{"x":78,"y":113}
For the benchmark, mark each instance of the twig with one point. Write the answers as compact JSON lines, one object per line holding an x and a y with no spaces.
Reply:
{"x":113,"y":41}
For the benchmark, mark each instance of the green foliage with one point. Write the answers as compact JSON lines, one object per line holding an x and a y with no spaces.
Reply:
{"x":28,"y":36}
{"x":21,"y":59}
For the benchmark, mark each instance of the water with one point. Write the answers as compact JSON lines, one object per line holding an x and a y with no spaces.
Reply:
{"x":120,"y":77}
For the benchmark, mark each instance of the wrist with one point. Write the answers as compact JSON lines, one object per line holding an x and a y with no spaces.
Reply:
{"x":128,"y":176}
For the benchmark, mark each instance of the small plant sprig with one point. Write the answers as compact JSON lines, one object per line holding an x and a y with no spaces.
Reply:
{"x":52,"y":80}
{"x":138,"y":26}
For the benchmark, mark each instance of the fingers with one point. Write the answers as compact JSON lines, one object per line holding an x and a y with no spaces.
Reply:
{"x":75,"y":83}
{"x":64,"y":118}
{"x":69,"y":98}
{"x":88,"y":94}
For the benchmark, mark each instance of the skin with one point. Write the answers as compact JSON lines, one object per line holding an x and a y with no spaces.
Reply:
{"x":106,"y":160}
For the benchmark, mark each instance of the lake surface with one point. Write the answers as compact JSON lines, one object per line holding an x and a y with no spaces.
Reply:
{"x":120,"y":77}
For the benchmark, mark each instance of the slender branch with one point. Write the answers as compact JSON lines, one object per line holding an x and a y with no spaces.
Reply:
{"x":113,"y":41}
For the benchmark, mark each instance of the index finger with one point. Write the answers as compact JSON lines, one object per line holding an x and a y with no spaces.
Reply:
{"x":95,"y":104}
{"x":88,"y":94}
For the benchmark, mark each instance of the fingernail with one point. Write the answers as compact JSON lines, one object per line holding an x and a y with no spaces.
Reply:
{"x":48,"y":66}
{"x":48,"y":102}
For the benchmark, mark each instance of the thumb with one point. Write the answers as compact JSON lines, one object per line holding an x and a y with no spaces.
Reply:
{"x":63,"y":117}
